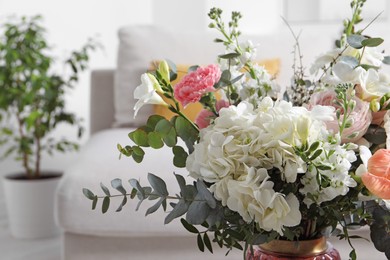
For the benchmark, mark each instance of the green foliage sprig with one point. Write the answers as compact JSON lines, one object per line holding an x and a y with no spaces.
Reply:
{"x":32,"y":95}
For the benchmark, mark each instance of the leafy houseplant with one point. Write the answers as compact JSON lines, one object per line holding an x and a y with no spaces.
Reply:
{"x":32,"y":95}
{"x":266,"y":169}
{"x":32,"y":105}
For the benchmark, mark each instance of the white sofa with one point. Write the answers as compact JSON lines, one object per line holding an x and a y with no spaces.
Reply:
{"x":129,"y":234}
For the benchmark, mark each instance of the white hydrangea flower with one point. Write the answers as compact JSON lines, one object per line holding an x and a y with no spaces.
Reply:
{"x":253,"y":198}
{"x":244,"y":145}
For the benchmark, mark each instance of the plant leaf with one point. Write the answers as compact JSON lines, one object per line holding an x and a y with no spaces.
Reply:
{"x":158,"y":184}
{"x":355,"y":40}
{"x":207,"y":242}
{"x":190,"y":228}
{"x":94,"y":202}
{"x":205,"y":194}
{"x":140,"y":191}
{"x":105,"y":189}
{"x":372,"y":42}
{"x":200,"y":242}
{"x":117,"y":184}
{"x":229,"y":55}
{"x":89,"y":194}
{"x":155,"y":141}
{"x":124,"y":201}
{"x":154,"y":207}
{"x":106,"y":204}
{"x":180,"y":209}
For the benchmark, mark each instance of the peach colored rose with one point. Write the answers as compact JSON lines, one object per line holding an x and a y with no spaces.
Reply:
{"x":377,"y":179}
{"x":205,"y":116}
{"x":195,"y":84}
{"x":361,"y":115}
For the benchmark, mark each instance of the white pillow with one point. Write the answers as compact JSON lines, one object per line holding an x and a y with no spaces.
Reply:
{"x":138,"y":47}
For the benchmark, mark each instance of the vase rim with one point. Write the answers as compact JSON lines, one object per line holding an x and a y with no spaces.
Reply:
{"x":297,"y":248}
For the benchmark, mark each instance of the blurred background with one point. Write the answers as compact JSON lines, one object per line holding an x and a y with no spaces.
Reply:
{"x":69,"y":24}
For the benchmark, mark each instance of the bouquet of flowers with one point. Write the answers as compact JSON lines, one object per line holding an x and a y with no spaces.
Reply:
{"x":267,"y":167}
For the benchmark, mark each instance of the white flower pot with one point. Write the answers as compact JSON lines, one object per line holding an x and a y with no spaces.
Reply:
{"x":30,"y":205}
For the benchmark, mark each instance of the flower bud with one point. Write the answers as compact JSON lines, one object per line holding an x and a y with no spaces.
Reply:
{"x":163,"y":68}
{"x":374,"y":106}
{"x":155,"y":83}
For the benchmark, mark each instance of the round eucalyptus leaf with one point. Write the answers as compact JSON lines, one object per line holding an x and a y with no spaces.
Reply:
{"x":355,"y":41}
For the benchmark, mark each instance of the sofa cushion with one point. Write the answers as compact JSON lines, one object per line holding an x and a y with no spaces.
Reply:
{"x":98,"y":162}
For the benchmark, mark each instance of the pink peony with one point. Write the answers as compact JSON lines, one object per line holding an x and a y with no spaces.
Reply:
{"x":361,"y":115}
{"x":195,"y":84}
{"x":205,"y":116}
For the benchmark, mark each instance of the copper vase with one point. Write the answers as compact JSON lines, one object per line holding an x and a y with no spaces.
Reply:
{"x":316,"y":249}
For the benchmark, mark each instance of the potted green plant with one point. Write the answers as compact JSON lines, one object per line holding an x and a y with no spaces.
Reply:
{"x":32,"y":105}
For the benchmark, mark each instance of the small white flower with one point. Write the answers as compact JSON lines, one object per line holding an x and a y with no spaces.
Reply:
{"x":146,"y":93}
{"x":372,"y":85}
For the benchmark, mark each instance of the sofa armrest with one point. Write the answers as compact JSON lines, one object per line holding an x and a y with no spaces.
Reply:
{"x":102,"y":100}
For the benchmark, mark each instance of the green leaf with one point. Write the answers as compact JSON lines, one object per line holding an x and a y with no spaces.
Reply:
{"x":190,"y":228}
{"x":207,"y":242}
{"x":316,"y":154}
{"x":163,"y":127}
{"x":155,"y":141}
{"x":153,"y":121}
{"x":140,"y":191}
{"x":386,"y":60}
{"x":117,"y":184}
{"x":94,"y":202}
{"x":180,"y":156}
{"x":179,"y":210}
{"x":198,"y":211}
{"x":225,"y":79}
{"x":106,"y":204}
{"x":124,"y":201}
{"x":236,"y":79}
{"x":105,"y":190}
{"x":155,"y":207}
{"x":372,"y":42}
{"x":138,"y":154}
{"x":205,"y":194}
{"x":193,"y":68}
{"x":229,"y":55}
{"x":181,"y":181}
{"x":314,"y":146}
{"x":352,"y":254}
{"x":170,"y":139}
{"x":158,"y":184}
{"x":89,"y":194}
{"x":139,"y":137}
{"x":200,"y":243}
{"x":355,"y":40}
{"x":185,"y":130}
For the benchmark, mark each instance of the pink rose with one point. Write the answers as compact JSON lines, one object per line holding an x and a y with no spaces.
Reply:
{"x":377,"y":179}
{"x":205,"y":116}
{"x":195,"y":84}
{"x":361,"y":115}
